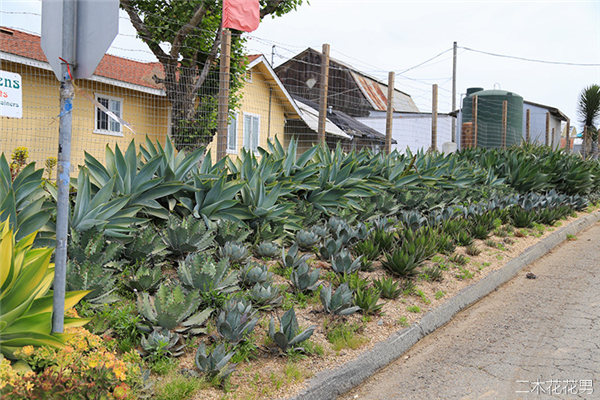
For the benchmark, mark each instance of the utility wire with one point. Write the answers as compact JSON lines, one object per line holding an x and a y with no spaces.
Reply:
{"x":529,"y":59}
{"x":425,"y":62}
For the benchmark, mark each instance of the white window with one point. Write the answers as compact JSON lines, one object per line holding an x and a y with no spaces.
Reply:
{"x":105,"y":124}
{"x":249,"y":76}
{"x":251,"y":131}
{"x":232,"y":135}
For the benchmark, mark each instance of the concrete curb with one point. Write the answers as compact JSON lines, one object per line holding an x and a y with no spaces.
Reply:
{"x":327,"y":385}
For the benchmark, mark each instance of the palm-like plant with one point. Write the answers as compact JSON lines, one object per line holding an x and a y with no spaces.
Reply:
{"x":588,"y":109}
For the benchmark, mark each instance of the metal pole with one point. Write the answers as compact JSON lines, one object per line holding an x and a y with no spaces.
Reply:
{"x":323,"y":95}
{"x":223,"y":106}
{"x":390,"y":113}
{"x":547,"y":129}
{"x":67,"y":92}
{"x":454,"y":90}
{"x":568,"y":136}
{"x":434,"y":115}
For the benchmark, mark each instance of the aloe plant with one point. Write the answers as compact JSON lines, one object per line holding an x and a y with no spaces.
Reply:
{"x":342,"y":263}
{"x":25,"y":279}
{"x":304,"y":278}
{"x":216,"y":363}
{"x":340,"y":302}
{"x":236,"y":321}
{"x":400,"y":263}
{"x":289,"y":335}
{"x":187,"y":235}
{"x":235,"y":252}
{"x":384,"y":239}
{"x":267,"y":250}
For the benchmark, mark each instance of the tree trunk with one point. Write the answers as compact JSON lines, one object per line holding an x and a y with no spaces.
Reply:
{"x":595,"y":149}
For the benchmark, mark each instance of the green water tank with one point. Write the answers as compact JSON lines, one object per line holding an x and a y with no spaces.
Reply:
{"x":489,"y":116}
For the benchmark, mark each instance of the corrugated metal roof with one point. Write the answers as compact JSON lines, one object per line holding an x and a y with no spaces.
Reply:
{"x":310,"y":116}
{"x":376,"y":94}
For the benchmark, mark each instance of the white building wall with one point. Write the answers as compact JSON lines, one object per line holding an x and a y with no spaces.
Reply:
{"x":537,"y":125}
{"x":411,"y":130}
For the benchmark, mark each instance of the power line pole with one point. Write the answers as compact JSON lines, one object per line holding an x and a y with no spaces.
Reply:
{"x":454,"y":90}
{"x":323,"y":95}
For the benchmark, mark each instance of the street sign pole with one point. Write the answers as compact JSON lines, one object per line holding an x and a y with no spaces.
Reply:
{"x":67,"y":93}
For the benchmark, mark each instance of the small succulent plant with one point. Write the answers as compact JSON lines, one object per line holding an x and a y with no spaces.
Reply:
{"x":367,"y":299}
{"x":144,"y":279}
{"x":304,"y":278}
{"x":236,"y":321}
{"x":343,"y":263}
{"x":187,"y":235}
{"x":400,"y":263}
{"x":146,"y":246}
{"x":307,"y":239}
{"x":267,"y":250}
{"x":200,"y":271}
{"x":254,"y":273}
{"x":389,"y":288}
{"x":331,"y":248}
{"x":216,"y":363}
{"x":368,"y":249}
{"x":230,"y":231}
{"x":320,"y":230}
{"x":340,"y":302}
{"x":235,"y":252}
{"x":293,"y":258}
{"x":265,"y":295}
{"x":288,"y":335}
{"x":162,"y":342}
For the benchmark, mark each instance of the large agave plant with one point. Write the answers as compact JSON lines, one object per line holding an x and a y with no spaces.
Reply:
{"x":187,"y":235}
{"x":289,"y":335}
{"x":173,"y":309}
{"x":236,"y":321}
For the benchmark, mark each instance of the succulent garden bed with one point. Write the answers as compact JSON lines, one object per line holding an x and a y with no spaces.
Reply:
{"x":240,"y":279}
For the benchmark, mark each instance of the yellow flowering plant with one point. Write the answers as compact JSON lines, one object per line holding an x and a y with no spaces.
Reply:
{"x":84,"y":368}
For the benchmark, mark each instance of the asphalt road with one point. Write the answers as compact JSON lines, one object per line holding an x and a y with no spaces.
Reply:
{"x":530,"y":339}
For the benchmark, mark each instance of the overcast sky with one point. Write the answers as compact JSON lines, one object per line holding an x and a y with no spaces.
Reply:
{"x":377,"y":36}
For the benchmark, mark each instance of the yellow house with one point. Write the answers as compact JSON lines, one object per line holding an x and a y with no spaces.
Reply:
{"x":123,"y":86}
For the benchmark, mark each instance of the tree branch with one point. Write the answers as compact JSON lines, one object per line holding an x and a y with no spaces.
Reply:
{"x":142,"y":30}
{"x":209,"y":60}
{"x":186,"y":29}
{"x":270,"y":8}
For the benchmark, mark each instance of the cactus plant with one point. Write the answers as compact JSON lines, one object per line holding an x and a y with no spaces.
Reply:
{"x":343,"y":264}
{"x":237,"y":253}
{"x":215,"y":364}
{"x":340,"y":303}
{"x":306,"y":239}
{"x":304,"y":279}
{"x":187,"y":235}
{"x":200,"y":271}
{"x":236,"y":321}
{"x":289,"y":335}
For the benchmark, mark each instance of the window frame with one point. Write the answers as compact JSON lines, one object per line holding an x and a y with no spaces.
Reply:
{"x":257,"y":116}
{"x":234,"y":120}
{"x":96,"y":109}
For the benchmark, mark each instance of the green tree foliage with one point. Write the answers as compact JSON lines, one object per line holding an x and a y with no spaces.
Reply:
{"x":588,"y":108}
{"x":192,"y":30}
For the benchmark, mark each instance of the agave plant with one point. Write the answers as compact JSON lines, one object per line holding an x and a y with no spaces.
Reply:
{"x":289,"y":335}
{"x":216,"y":363}
{"x":254,"y":273}
{"x":235,"y":252}
{"x":384,"y":239}
{"x":265,"y":295}
{"x":146,"y":246}
{"x":162,"y":342}
{"x":26,"y":314}
{"x":173,"y":309}
{"x":331,"y":248}
{"x":293,"y":258}
{"x":236,"y":321}
{"x":267,"y":250}
{"x":230,"y":231}
{"x":340,"y":302}
{"x":522,"y":218}
{"x":343,"y":263}
{"x":367,"y":298}
{"x":320,"y":230}
{"x":307,"y":239}
{"x":389,"y":288}
{"x":144,"y":279}
{"x":187,"y":235}
{"x":304,"y":278}
{"x":200,"y":271}
{"x":400,"y":263}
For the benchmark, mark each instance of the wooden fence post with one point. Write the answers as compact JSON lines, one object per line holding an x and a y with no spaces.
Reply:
{"x":223,"y":105}
{"x":547,"y":128}
{"x":389,"y":118}
{"x":474,"y":121}
{"x":568,"y":135}
{"x":323,"y":94}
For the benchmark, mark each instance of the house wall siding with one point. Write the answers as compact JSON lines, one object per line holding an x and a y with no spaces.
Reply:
{"x":38,"y":129}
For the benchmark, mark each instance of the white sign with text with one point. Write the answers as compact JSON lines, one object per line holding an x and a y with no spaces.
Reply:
{"x":11,"y":95}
